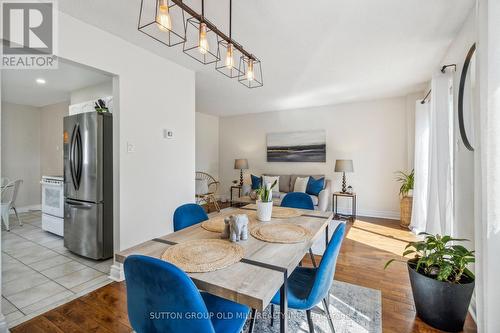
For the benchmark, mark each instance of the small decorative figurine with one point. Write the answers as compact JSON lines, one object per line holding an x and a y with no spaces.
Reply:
{"x":236,"y":227}
{"x":349,"y":189}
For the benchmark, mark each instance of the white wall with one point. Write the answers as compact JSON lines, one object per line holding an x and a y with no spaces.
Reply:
{"x":373,"y":134}
{"x":207,"y":144}
{"x":51,"y":138}
{"x":93,"y":92}
{"x":150,"y":93}
{"x":21,"y":151}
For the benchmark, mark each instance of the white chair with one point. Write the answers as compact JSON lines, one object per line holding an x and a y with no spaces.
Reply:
{"x":9,"y":196}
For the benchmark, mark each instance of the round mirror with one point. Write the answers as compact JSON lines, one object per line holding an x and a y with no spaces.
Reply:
{"x":467,"y":99}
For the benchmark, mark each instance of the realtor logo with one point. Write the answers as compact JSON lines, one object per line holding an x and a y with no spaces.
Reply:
{"x":28,"y":34}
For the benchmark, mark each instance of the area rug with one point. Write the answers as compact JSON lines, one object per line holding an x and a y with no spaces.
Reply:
{"x":354,"y":309}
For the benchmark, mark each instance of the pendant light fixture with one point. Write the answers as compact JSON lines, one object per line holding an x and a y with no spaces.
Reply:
{"x":228,"y":53}
{"x":164,"y":21}
{"x":199,"y":39}
{"x":250,"y":72}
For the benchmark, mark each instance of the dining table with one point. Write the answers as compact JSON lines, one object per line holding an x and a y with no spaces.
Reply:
{"x":264,"y":268}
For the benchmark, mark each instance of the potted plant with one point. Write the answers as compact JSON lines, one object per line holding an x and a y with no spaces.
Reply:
{"x":406,"y":193}
{"x":441,"y":283}
{"x":265,"y":201}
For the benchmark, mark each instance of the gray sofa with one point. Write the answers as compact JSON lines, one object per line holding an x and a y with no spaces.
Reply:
{"x":287,"y":183}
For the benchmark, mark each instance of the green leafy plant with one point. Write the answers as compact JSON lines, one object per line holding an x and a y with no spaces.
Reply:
{"x":264,"y":192}
{"x":407,"y":180}
{"x":439,"y":258}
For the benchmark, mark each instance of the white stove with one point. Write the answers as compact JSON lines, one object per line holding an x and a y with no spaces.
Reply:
{"x":53,"y":204}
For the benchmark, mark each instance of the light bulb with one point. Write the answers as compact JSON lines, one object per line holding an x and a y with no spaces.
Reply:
{"x":229,"y":56}
{"x":163,"y":17}
{"x":250,"y":74}
{"x":203,"y":41}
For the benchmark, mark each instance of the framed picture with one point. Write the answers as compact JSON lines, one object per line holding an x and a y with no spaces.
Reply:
{"x":306,"y":146}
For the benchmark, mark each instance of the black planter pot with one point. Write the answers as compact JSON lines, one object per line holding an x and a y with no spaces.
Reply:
{"x":442,"y":305}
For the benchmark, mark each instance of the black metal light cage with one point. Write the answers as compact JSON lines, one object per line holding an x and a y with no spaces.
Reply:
{"x":149,"y":25}
{"x":232,"y":71}
{"x":258,"y":80}
{"x":191,"y":46}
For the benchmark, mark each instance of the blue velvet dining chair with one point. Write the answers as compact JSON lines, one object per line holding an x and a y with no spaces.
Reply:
{"x":302,"y":201}
{"x":162,"y":298}
{"x":297,"y":200}
{"x":306,"y":287}
{"x":187,"y":215}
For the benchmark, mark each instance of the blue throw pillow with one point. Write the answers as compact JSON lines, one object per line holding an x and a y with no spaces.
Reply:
{"x":256,"y":181}
{"x":314,"y":186}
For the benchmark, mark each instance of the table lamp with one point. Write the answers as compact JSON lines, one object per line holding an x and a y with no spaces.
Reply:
{"x":344,"y":166}
{"x":241,"y":163}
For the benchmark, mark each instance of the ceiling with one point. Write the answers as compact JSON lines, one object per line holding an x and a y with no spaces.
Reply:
{"x":20,"y":86}
{"x":313,"y":53}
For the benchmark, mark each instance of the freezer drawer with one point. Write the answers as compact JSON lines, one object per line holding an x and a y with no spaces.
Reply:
{"x":84,"y":231}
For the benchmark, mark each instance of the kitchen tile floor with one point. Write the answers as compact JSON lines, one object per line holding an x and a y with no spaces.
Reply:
{"x":39,"y":273}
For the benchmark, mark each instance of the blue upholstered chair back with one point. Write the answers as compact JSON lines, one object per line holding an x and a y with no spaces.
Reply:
{"x":297,"y":200}
{"x":187,"y":215}
{"x":326,"y":270}
{"x":162,"y":298}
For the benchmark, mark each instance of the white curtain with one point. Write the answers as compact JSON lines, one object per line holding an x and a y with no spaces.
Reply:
{"x":433,"y":193}
{"x":420,"y":188}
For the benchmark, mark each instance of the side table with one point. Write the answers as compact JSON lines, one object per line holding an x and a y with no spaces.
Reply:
{"x":353,"y":198}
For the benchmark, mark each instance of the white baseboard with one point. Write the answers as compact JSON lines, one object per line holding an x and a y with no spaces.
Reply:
{"x":386,"y":214}
{"x":26,"y":209}
{"x":116,"y":272}
{"x":4,"y":328}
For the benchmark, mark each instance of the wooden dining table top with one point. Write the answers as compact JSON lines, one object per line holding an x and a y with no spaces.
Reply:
{"x":259,"y":275}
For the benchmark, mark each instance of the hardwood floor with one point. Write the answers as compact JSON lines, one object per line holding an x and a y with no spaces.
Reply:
{"x":370,"y":242}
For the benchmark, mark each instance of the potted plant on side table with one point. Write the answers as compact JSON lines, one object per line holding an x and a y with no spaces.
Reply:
{"x":265,"y":201}
{"x":441,"y":283}
{"x":406,"y":193}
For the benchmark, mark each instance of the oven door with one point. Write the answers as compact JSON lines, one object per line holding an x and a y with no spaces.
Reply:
{"x":53,"y":199}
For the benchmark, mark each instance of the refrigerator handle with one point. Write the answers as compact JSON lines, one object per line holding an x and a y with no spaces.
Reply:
{"x":78,"y":204}
{"x":79,"y":166}
{"x":72,"y":158}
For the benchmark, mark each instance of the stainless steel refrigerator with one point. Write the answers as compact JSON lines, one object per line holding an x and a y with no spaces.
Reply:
{"x":88,"y":184}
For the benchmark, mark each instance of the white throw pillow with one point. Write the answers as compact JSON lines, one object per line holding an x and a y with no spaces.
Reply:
{"x":270,"y":180}
{"x":301,"y":184}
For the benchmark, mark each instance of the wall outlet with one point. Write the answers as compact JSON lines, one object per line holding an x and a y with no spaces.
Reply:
{"x":168,"y":133}
{"x":130,"y":148}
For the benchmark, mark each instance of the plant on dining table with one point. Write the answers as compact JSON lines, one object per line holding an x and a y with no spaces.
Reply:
{"x":265,"y":192}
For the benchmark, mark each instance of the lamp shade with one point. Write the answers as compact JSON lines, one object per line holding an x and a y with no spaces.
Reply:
{"x":344,"y":166}
{"x":241,"y":163}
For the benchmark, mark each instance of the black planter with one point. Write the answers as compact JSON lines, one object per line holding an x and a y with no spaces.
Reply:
{"x":442,"y":305}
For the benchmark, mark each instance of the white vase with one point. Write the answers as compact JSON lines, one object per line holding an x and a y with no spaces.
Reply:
{"x":264,"y":211}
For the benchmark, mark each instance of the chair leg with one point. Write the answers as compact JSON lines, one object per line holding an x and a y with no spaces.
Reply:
{"x":17,"y":215}
{"x":309,"y":321}
{"x":5,"y":219}
{"x":252,"y":321}
{"x":272,"y":315}
{"x":312,"y":258}
{"x":328,"y":315}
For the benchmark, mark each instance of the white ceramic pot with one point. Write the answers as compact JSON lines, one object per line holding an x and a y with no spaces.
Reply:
{"x":264,"y":211}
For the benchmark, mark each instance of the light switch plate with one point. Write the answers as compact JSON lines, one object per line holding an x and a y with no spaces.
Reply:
{"x":130,"y":148}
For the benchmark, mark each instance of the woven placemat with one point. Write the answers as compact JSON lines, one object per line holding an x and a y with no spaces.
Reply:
{"x":285,"y":212}
{"x":203,"y":255}
{"x":285,"y":233}
{"x":216,"y":224}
